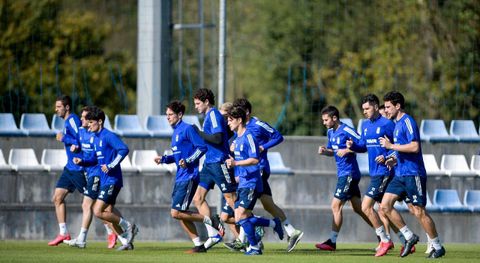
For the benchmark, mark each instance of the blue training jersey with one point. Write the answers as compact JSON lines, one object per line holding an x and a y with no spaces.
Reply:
{"x":369,"y":141}
{"x":408,"y":164}
{"x":346,"y":165}
{"x":88,"y":150}
{"x":249,"y":176}
{"x":187,"y":145}
{"x":265,"y":136}
{"x":109,"y":150}
{"x":215,"y":123}
{"x":71,"y":137}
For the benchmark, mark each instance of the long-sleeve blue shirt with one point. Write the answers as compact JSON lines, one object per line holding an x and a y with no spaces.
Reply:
{"x":71,"y":137}
{"x":215,"y":123}
{"x":372,"y":131}
{"x":265,"y":136}
{"x":187,"y":145}
{"x":346,"y":165}
{"x":408,"y":164}
{"x":88,"y":150}
{"x":249,"y":176}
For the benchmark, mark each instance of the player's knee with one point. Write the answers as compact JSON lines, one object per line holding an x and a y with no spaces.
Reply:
{"x":224,"y":217}
{"x":174,"y":214}
{"x":98,"y":212}
{"x":366,"y":209}
{"x":57,"y":199}
{"x":386,"y":210}
{"x":86,"y":207}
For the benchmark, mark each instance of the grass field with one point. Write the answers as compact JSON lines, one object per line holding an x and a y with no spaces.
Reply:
{"x":28,"y":251}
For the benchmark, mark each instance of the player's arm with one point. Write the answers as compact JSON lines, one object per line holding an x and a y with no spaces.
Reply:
{"x":119,"y":146}
{"x":252,"y":148}
{"x":216,"y":138}
{"x":72,"y":136}
{"x":198,"y":145}
{"x":275,"y":137}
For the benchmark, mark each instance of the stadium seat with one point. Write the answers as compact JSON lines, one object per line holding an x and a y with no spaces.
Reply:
{"x":24,"y":160}
{"x":8,"y":127}
{"x":3,"y":165}
{"x":127,"y":166}
{"x":348,"y":122}
{"x":362,"y":160}
{"x":430,"y":206}
{"x":35,"y":124}
{"x":475,"y":164}
{"x":192,"y":119}
{"x":53,"y":159}
{"x":472,"y":200}
{"x":57,"y":123}
{"x":431,"y":165}
{"x":158,"y":126}
{"x":276,"y":164}
{"x":129,"y":126}
{"x":107,"y":124}
{"x":143,"y":160}
{"x":400,"y":206}
{"x":464,"y":131}
{"x":434,"y":131}
{"x":448,"y":201}
{"x":360,"y":125}
{"x":455,"y":165}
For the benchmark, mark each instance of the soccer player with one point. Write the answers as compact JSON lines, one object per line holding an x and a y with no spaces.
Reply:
{"x":250,"y":182}
{"x":73,"y":175}
{"x":214,"y":169}
{"x":410,"y":176}
{"x":381,"y":110}
{"x":348,"y":172}
{"x":268,"y":137}
{"x":109,"y":153}
{"x":188,"y":147}
{"x":93,"y":182}
{"x":380,"y":175}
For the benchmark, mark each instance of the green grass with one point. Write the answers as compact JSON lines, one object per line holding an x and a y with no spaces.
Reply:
{"x":29,"y":251}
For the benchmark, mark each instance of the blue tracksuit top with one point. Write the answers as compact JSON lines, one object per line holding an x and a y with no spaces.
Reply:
{"x":71,"y":137}
{"x":215,"y":123}
{"x":249,"y":176}
{"x":88,"y":149}
{"x":408,"y":164}
{"x":346,"y":165}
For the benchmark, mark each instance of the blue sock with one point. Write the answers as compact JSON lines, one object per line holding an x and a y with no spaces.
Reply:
{"x":249,"y":229}
{"x":259,"y":221}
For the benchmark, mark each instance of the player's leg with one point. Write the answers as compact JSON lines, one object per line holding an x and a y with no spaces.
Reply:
{"x":191,"y":230}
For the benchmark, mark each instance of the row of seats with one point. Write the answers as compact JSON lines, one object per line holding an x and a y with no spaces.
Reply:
{"x":36,"y":124}
{"x":436,"y":131}
{"x":142,"y":161}
{"x":447,"y":200}
{"x":450,"y":165}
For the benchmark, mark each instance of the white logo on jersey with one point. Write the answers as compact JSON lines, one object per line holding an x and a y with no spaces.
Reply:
{"x":242,"y":203}
{"x":241,"y":147}
{"x":176,"y":138}
{"x":338,"y":140}
{"x":178,"y":205}
{"x":91,"y":139}
{"x":378,"y":130}
{"x":101,"y":143}
{"x":365,"y":132}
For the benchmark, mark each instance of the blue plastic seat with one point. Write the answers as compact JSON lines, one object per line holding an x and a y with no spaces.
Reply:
{"x":348,"y":122}
{"x":192,"y":119}
{"x":57,"y":123}
{"x":434,"y":131}
{"x":129,"y":126}
{"x":448,"y":201}
{"x":472,"y":200}
{"x":158,"y":126}
{"x":35,"y":124}
{"x":276,"y":164}
{"x":362,"y":160}
{"x":400,"y":206}
{"x":464,"y":131}
{"x":430,"y":206}
{"x":8,"y":127}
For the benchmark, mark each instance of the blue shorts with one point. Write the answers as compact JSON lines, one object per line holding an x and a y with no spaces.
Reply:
{"x":92,"y":189}
{"x":226,"y":208}
{"x":72,"y":180}
{"x":412,"y":188}
{"x":377,"y":187}
{"x":183,"y":193}
{"x":219,"y":174}
{"x":246,"y":198}
{"x":266,"y":186}
{"x":109,"y":193}
{"x":347,"y":187}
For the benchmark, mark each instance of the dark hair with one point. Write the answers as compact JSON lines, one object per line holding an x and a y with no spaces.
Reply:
{"x":244,"y":104}
{"x":372,"y":99}
{"x":95,"y":114}
{"x":331,"y":111}
{"x":205,"y":94}
{"x":395,"y":98}
{"x":66,"y":100}
{"x":87,"y":108}
{"x":176,"y":106}
{"x":238,"y":112}
{"x":381,"y":107}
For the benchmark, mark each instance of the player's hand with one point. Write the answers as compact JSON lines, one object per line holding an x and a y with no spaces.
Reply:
{"x":182,"y":163}
{"x":261,"y":149}
{"x":76,"y":160}
{"x":342,"y":152}
{"x":105,"y":168}
{"x":349,"y":143}
{"x":74,"y":148}
{"x":391,"y":162}
{"x":322,"y":149}
{"x":380,"y":159}
{"x":230,"y":163}
{"x":385,"y":142}
{"x":59,"y":136}
{"x":158,"y":159}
